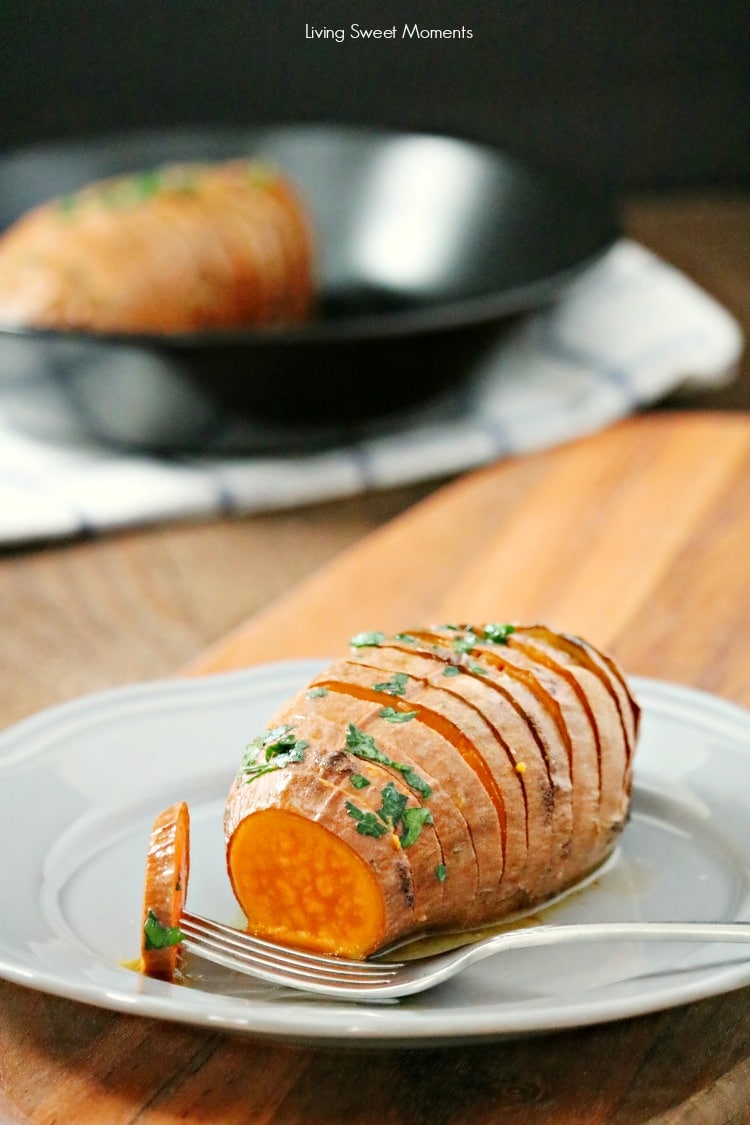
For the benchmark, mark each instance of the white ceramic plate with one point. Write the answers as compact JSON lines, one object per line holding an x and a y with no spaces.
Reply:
{"x":80,"y":785}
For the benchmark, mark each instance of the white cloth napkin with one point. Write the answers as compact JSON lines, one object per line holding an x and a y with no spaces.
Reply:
{"x":626,"y":332}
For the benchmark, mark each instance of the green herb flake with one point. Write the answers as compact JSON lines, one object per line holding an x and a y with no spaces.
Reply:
{"x":251,"y":772}
{"x":362,"y":745}
{"x":466,"y":643}
{"x":441,"y":872}
{"x":451,"y":670}
{"x":367,"y":640}
{"x":368,"y":823}
{"x":317,"y":692}
{"x":393,"y":804}
{"x":406,"y":638}
{"x":394,"y":686}
{"x":394,"y":716}
{"x":159,"y":936}
{"x":414,"y":781}
{"x":147,"y":184}
{"x":359,"y":781}
{"x":498,"y":634}
{"x":477,"y":669}
{"x":272,"y":750}
{"x":414,"y":820}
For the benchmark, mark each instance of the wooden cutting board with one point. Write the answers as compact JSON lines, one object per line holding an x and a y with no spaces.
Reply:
{"x":638,"y":538}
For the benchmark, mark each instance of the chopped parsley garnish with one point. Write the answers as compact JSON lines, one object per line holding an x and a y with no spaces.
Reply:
{"x":272,"y":750}
{"x":362,"y":745}
{"x":414,"y":820}
{"x":465,"y":643}
{"x":148,"y":183}
{"x":498,"y":634}
{"x":394,"y":716}
{"x":394,"y":686}
{"x":359,"y":781}
{"x":317,"y":692}
{"x":159,"y":936}
{"x":129,"y":190}
{"x":440,"y":872}
{"x":410,"y":820}
{"x":451,"y":670}
{"x":368,"y":823}
{"x":406,"y":638}
{"x":392,"y":816}
{"x":367,"y":640}
{"x":477,"y":669}
{"x":413,"y":780}
{"x":393,"y":805}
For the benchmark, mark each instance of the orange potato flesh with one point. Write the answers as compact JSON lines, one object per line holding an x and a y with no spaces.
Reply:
{"x":165,"y":890}
{"x":300,"y":885}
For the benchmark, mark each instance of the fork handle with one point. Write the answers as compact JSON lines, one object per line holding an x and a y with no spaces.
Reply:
{"x":533,"y":936}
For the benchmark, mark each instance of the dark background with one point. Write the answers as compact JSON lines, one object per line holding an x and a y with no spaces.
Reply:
{"x":632,"y":94}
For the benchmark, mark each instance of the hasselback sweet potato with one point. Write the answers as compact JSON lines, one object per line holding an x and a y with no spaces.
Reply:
{"x":182,"y":248}
{"x":437,"y":779}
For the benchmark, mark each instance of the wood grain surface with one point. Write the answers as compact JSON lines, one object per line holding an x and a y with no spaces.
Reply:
{"x":638,"y":538}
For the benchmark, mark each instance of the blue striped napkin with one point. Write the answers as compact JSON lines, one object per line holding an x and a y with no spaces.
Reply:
{"x":624,"y":334}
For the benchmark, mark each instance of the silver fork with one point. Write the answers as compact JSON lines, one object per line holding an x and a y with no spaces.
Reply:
{"x":382,"y":980}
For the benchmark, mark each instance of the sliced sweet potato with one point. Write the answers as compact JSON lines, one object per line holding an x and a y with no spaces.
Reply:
{"x":176,"y":249}
{"x":165,"y":890}
{"x":436,"y":779}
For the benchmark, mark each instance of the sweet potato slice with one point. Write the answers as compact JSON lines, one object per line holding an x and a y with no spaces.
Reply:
{"x":165,"y":890}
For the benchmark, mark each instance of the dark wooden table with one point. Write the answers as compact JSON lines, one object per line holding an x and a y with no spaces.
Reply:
{"x":77,"y":617}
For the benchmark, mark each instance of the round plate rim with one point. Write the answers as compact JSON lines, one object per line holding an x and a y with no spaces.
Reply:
{"x":342,"y":1024}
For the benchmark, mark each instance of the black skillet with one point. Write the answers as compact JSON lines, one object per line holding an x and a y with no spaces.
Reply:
{"x":427,"y":246}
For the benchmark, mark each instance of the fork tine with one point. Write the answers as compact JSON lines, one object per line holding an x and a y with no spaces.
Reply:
{"x":235,"y":957}
{"x":241,"y":942}
{"x":245,"y":939}
{"x":236,"y":949}
{"x":290,"y":977}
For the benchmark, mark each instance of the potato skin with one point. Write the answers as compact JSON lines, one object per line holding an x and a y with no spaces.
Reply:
{"x":523,"y":737}
{"x":183,"y":248}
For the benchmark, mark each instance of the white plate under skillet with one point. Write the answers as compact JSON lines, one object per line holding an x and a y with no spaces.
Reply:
{"x":81,"y":783}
